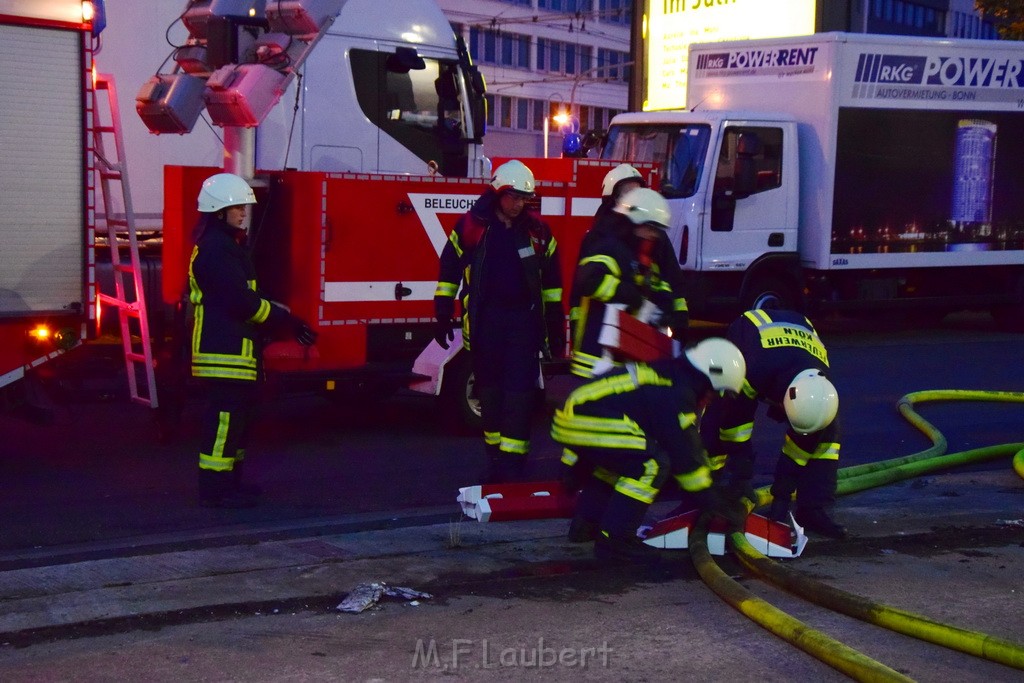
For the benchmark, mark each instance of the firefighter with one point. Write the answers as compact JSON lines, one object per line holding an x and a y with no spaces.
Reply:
{"x":787,"y":369}
{"x":625,"y":258}
{"x":229,"y":314}
{"x":506,"y":260}
{"x":635,"y":426}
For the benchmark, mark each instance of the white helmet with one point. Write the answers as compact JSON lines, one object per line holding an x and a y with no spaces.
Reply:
{"x":515,"y":176}
{"x":811,"y":402}
{"x":721,"y":361}
{"x":619,"y":174}
{"x":223,"y":190}
{"x":643,"y":206}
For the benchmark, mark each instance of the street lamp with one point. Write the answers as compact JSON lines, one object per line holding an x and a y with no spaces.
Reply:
{"x":561,"y":118}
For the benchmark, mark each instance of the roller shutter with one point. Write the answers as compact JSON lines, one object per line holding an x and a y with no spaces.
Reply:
{"x":41,"y":170}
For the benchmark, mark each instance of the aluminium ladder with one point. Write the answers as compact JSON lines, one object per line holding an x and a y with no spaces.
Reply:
{"x":130,"y":304}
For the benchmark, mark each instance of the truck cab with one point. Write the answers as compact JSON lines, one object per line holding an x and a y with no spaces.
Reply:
{"x":382,"y":92}
{"x":732,"y":180}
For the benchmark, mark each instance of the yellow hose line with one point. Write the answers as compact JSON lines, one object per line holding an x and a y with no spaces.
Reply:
{"x":914,"y":468}
{"x":906,"y":408}
{"x":815,"y":643}
{"x":862,"y":477}
{"x":892,"y":618}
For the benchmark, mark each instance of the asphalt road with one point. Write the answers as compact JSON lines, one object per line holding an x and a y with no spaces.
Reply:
{"x":110,"y":571}
{"x":98,"y":476}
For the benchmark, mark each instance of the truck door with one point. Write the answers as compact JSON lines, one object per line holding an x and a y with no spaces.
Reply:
{"x":749,"y":212}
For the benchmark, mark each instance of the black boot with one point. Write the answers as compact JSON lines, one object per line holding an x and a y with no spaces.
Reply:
{"x":506,"y":468}
{"x":217,"y":490}
{"x":816,"y":520}
{"x":582,"y":530}
{"x":779,"y":510}
{"x":241,"y":486}
{"x":815,"y":493}
{"x":787,"y":474}
{"x":625,"y":548}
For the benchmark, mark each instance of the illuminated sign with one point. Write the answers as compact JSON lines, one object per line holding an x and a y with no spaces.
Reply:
{"x":671,"y":25}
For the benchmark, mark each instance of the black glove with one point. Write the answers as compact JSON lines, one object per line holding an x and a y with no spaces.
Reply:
{"x":304,"y":334}
{"x":444,"y":332}
{"x":554,"y":321}
{"x":777,"y":412}
{"x":444,"y":309}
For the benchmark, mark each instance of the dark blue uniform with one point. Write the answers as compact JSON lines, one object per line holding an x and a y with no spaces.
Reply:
{"x":512,"y":296}
{"x":633,"y":427}
{"x":777,"y":345}
{"x":225,"y":347}
{"x":616,"y":267}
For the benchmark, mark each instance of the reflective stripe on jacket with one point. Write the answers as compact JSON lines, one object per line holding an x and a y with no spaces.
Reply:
{"x":228,"y":310}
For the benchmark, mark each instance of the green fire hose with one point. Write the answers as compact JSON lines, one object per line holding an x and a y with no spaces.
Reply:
{"x":851,"y":480}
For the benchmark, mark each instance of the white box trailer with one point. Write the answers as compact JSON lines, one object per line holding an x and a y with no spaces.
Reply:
{"x":845,"y":171}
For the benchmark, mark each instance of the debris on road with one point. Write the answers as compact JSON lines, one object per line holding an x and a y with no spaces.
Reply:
{"x":365,"y":595}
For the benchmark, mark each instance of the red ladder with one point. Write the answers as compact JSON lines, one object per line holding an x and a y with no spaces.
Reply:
{"x":130,"y":303}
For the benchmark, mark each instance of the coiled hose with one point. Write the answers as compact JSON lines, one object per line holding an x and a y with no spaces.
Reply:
{"x":853,"y":479}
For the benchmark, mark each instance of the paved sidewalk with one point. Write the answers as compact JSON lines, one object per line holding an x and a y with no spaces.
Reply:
{"x":251,"y":576}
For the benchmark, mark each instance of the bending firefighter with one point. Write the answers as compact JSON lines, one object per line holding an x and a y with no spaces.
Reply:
{"x":512,"y":300}
{"x":626,"y":258}
{"x":627,"y":431}
{"x":229,"y":314}
{"x":787,"y":368}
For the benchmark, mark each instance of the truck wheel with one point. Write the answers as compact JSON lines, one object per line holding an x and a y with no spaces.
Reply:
{"x":1009,"y":318}
{"x":772,"y":293}
{"x":459,"y":403}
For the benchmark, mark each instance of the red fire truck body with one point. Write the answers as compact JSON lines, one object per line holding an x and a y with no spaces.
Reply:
{"x":357,"y":256}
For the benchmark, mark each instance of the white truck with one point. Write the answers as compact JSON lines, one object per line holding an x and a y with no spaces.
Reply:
{"x":356,"y":107}
{"x":844,"y":172}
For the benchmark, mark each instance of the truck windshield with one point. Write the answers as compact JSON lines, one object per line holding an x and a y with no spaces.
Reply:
{"x":678,"y":151}
{"x":420,"y":107}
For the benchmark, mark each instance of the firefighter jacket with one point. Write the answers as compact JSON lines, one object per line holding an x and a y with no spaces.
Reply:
{"x":462,"y":262}
{"x":228,"y":309}
{"x":637,"y":409}
{"x":616,"y":267}
{"x":777,"y":345}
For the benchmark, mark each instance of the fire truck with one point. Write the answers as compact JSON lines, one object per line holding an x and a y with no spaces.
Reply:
{"x":46,"y":225}
{"x":360,"y":129}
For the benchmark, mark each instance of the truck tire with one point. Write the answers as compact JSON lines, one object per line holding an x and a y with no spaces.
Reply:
{"x":772,"y":293}
{"x":460,"y":407}
{"x":1010,"y":318}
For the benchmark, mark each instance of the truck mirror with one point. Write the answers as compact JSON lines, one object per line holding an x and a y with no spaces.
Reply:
{"x":444,"y":85}
{"x":476,"y":80}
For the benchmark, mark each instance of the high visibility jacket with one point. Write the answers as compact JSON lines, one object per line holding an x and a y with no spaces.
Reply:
{"x":637,"y":408}
{"x":615,"y":267}
{"x":228,"y":309}
{"x":776,"y":345}
{"x":462,"y":262}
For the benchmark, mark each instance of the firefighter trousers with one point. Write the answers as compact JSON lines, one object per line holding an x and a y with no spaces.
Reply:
{"x":224,"y":431}
{"x":505,"y":346}
{"x":814,"y":483}
{"x":619,"y":501}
